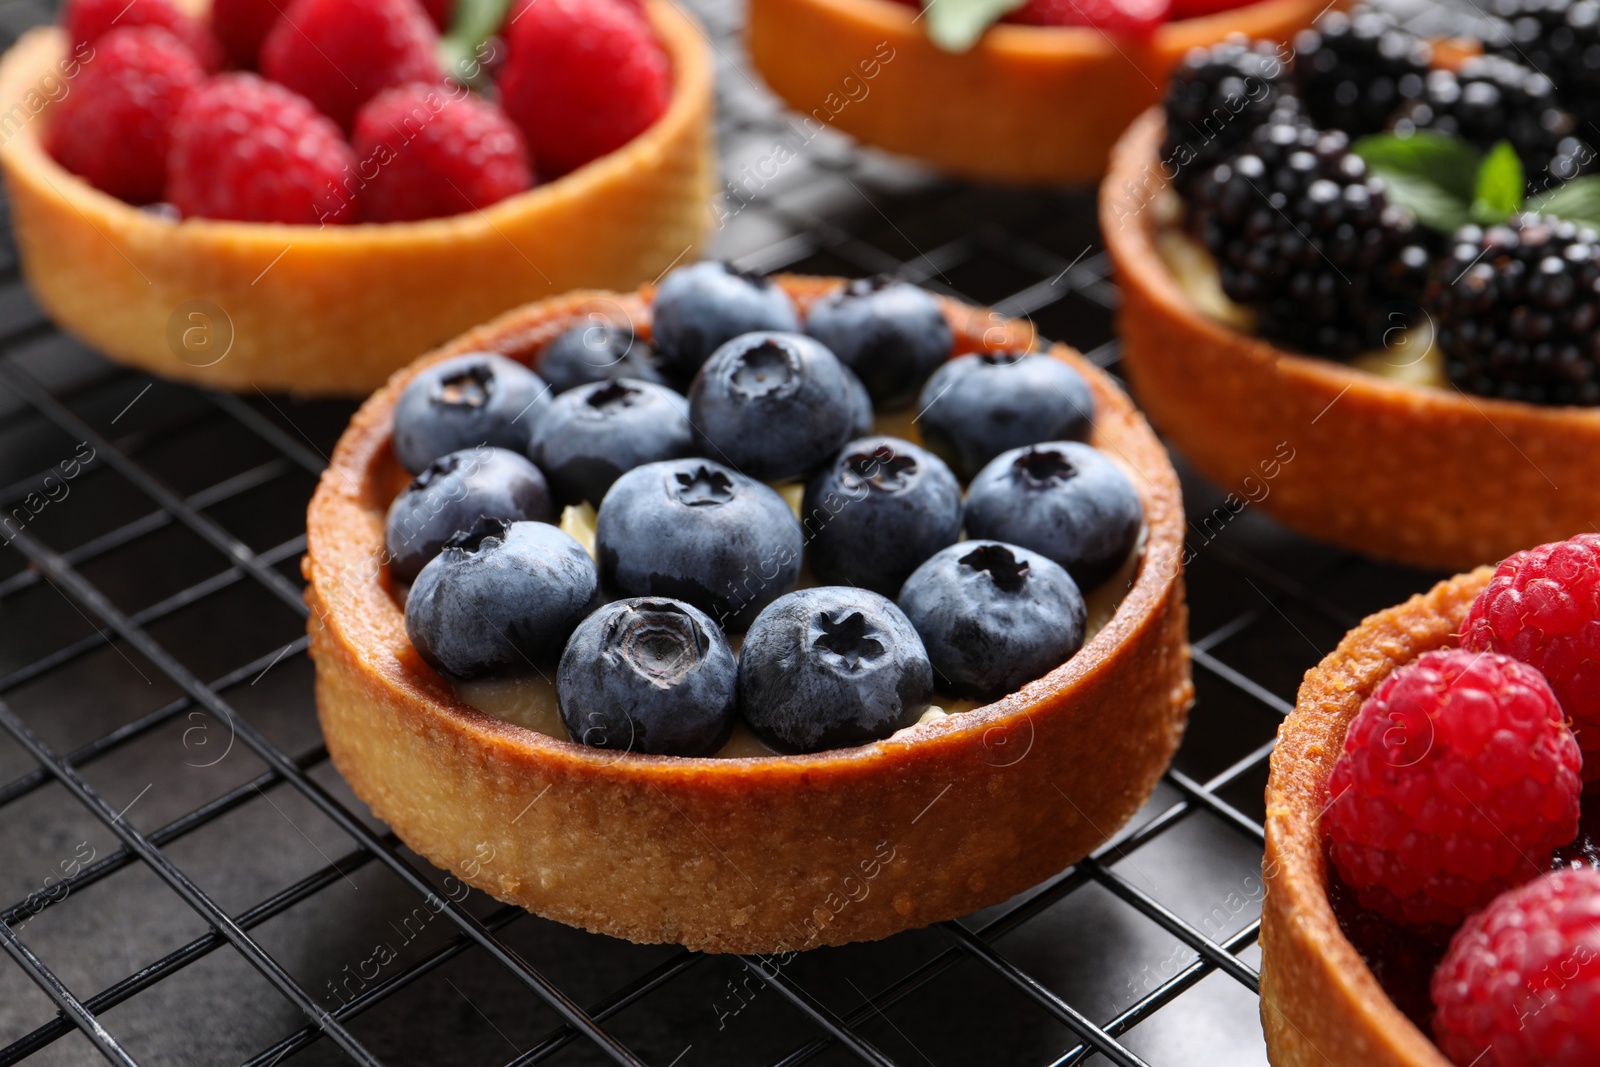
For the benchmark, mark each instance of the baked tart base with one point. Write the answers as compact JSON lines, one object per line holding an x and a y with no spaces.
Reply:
{"x":1321,"y":1006}
{"x":1380,"y":466}
{"x":755,"y":854}
{"x":334,"y":310}
{"x":1030,"y":104}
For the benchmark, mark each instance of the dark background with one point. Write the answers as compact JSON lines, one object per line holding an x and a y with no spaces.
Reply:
{"x":151,"y":637}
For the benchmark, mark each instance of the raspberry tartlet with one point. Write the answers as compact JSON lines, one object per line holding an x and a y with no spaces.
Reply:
{"x":333,"y":307}
{"x":1040,"y":104}
{"x":1433,"y":896}
{"x":852,"y":792}
{"x":1280,"y":282}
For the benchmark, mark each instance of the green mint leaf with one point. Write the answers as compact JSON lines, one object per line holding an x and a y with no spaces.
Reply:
{"x":1439,"y":159}
{"x":472,"y":23}
{"x":956,"y":25}
{"x":1576,"y":201}
{"x":1434,"y":206}
{"x":1497,"y":191}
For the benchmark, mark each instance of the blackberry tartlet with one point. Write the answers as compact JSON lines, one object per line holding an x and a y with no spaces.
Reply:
{"x":1407,"y":304}
{"x":1458,"y":724}
{"x":724,"y":754}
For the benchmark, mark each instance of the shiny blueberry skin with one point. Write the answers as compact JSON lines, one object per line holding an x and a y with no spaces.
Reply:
{"x":501,"y":599}
{"x":649,"y":675}
{"x":699,"y":308}
{"x":772,"y":405}
{"x":476,"y":399}
{"x":993,"y":616}
{"x":696,"y":531}
{"x":1062,"y":499}
{"x":877,"y":511}
{"x":596,"y":433}
{"x":451,"y":494}
{"x":978,"y":406}
{"x":832,"y":667}
{"x":891,"y":333}
{"x":596,"y":352}
{"x":862,"y":415}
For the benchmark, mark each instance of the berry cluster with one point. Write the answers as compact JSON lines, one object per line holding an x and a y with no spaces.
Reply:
{"x":714,"y":502}
{"x":1329,"y":258}
{"x":1459,"y":786}
{"x":341,"y":111}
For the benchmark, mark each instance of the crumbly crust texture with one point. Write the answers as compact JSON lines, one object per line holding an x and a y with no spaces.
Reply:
{"x":335,"y":310}
{"x":744,"y":855}
{"x":1320,"y":1004}
{"x":1380,"y":466}
{"x":1027,"y":104}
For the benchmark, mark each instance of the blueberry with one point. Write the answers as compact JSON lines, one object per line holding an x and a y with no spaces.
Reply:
{"x":700,"y":307}
{"x":476,"y":399}
{"x":978,"y":406}
{"x":1062,"y":499}
{"x":594,"y":434}
{"x":500,"y":599}
{"x":649,"y":675}
{"x":832,"y":667}
{"x":862,"y":416}
{"x":596,"y":352}
{"x":877,"y":511}
{"x":451,"y":494}
{"x":773,"y":405}
{"x":891,"y":333}
{"x":993,"y":616}
{"x":697,"y":531}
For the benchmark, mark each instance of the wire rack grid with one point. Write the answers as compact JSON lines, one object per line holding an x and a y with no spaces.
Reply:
{"x":190,"y":883}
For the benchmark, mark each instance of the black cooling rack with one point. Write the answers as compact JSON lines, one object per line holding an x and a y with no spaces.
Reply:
{"x":185,"y":880}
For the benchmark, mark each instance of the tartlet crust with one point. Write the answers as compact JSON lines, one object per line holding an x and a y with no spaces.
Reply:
{"x":758,"y":854}
{"x":1320,"y":1004}
{"x":1027,"y":104}
{"x":1382,"y":467}
{"x":335,"y":310}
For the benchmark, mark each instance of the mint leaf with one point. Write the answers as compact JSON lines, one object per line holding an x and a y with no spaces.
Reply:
{"x":1497,"y":191}
{"x":956,"y":25}
{"x":1434,"y":206}
{"x":1576,"y":201}
{"x":1439,"y":159}
{"x":473,"y":22}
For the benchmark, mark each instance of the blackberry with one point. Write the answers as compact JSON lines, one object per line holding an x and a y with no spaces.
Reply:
{"x":1217,"y":97}
{"x":1515,"y":309}
{"x":1492,"y":99}
{"x":1355,"y":69}
{"x":1558,"y":38}
{"x":1305,"y":238}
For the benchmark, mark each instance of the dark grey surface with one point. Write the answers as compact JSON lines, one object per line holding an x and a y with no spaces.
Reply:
{"x":1265,"y":606}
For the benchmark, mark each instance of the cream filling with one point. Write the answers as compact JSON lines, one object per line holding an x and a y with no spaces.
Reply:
{"x":1409,"y":355}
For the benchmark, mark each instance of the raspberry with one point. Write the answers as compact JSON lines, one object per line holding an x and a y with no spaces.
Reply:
{"x":1543,"y":607}
{"x":581,"y":78}
{"x":440,"y":11}
{"x":341,"y":53}
{"x":1458,"y":780}
{"x":241,"y":26}
{"x":432,"y":152}
{"x":1127,"y":18}
{"x":86,"y":21}
{"x":244,"y":148}
{"x":114,"y":125}
{"x":1520,"y":984}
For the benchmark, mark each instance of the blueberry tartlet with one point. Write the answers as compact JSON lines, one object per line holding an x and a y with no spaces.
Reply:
{"x":1384,"y":256}
{"x":718,"y":639}
{"x":1433,"y":892}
